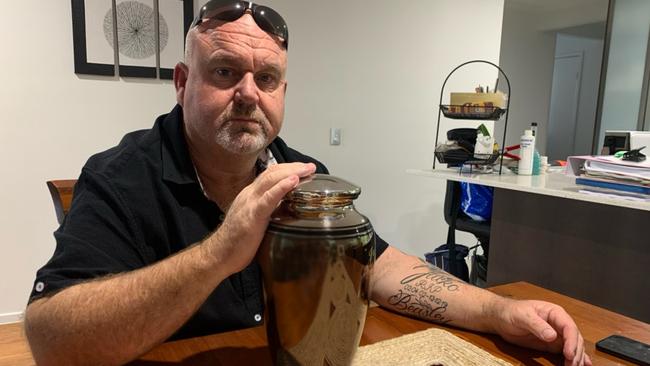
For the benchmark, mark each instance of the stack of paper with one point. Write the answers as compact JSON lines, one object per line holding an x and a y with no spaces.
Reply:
{"x":622,"y":195}
{"x":611,"y":173}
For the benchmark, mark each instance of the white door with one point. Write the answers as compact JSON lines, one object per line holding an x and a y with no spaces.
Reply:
{"x":565,"y":94}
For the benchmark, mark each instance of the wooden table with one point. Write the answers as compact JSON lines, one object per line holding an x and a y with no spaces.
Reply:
{"x":248,"y":346}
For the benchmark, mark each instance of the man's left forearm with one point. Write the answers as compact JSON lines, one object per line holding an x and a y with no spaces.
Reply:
{"x":412,"y":287}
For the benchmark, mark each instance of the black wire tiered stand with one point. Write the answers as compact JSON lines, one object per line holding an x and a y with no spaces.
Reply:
{"x":462,"y":157}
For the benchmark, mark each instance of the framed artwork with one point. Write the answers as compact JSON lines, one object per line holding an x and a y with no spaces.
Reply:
{"x":144,"y":37}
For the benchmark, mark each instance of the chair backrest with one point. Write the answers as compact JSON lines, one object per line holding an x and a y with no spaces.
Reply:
{"x":452,"y":200}
{"x":480,"y":229}
{"x":61,"y":191}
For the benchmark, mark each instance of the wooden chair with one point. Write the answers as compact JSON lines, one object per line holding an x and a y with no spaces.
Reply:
{"x":61,"y":191}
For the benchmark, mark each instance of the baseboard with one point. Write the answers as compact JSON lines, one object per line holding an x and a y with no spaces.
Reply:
{"x":7,"y":318}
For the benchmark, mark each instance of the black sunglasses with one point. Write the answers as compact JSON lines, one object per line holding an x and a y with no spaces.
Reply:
{"x":228,"y":10}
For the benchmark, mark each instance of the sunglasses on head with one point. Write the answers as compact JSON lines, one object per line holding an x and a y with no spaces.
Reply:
{"x":228,"y":10}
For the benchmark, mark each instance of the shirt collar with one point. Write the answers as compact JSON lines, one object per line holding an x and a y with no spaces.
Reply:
{"x":177,"y":165}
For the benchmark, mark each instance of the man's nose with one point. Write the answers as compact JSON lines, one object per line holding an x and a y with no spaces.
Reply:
{"x":246,"y":90}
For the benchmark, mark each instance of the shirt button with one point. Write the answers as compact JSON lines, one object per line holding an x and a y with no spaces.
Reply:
{"x":40,"y":286}
{"x":257,"y":317}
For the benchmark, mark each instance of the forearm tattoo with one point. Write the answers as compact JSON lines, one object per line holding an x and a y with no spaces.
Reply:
{"x":421,"y":293}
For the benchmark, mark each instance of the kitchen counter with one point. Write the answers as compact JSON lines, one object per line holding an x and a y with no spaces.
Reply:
{"x":554,"y":183}
{"x":545,"y":231}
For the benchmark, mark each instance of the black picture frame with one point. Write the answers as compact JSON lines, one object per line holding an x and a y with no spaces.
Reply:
{"x":188,"y":17}
{"x":81,"y":64}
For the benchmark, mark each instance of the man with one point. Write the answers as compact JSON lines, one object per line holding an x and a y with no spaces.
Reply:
{"x":146,"y":252}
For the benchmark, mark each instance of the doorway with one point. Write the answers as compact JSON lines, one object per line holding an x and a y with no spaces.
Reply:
{"x":565,"y":94}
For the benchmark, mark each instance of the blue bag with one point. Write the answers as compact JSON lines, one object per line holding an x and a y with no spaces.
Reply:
{"x":476,"y":201}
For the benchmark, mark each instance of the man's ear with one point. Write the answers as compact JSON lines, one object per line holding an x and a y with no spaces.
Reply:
{"x":180,"y":78}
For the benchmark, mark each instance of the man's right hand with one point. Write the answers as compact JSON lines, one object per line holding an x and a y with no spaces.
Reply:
{"x":235,"y":243}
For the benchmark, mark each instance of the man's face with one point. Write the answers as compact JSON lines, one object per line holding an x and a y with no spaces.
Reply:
{"x":232,"y":87}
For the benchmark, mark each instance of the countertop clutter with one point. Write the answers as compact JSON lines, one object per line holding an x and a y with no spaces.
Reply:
{"x":613,"y":174}
{"x":554,"y":183}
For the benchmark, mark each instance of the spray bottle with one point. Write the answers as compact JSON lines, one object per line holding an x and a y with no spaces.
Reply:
{"x":527,"y":150}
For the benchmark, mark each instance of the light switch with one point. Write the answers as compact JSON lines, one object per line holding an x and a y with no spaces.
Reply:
{"x":335,"y":136}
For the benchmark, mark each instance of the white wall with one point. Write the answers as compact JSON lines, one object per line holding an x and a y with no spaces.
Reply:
{"x":52,"y":121}
{"x":527,"y":56}
{"x":374,"y":70}
{"x":592,"y":53}
{"x":376,"y":73}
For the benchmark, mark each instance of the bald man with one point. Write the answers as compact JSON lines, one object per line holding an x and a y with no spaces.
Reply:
{"x":161,"y":237}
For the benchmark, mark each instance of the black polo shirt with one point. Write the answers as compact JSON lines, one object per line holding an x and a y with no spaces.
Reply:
{"x":140,"y":202}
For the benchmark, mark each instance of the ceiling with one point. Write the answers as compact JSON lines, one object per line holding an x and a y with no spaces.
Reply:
{"x":593,"y":30}
{"x":553,"y":15}
{"x":553,"y":6}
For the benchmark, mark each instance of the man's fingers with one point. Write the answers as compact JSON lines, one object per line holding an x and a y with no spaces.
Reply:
{"x":278,"y":181}
{"x":276,"y":173}
{"x":579,"y":357}
{"x":574,"y":347}
{"x":273,"y":195}
{"x":580,"y":351}
{"x":573,"y":342}
{"x":540,"y":328}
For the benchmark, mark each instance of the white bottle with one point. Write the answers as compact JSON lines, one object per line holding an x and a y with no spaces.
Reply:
{"x":527,"y":150}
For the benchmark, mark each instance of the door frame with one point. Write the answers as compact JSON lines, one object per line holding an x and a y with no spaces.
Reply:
{"x":644,"y":108}
{"x":603,"y":78}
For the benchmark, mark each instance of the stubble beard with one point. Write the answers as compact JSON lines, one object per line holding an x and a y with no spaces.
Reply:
{"x":242,"y":137}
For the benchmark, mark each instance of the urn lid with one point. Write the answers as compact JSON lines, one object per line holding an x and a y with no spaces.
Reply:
{"x":323,"y":189}
{"x":320,"y":203}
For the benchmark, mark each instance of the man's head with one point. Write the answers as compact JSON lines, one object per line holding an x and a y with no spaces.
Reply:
{"x":232,"y":83}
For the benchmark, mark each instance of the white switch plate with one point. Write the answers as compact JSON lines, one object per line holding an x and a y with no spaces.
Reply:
{"x":335,"y":136}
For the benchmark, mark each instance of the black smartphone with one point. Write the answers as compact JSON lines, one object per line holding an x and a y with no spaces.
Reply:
{"x":625,"y":348}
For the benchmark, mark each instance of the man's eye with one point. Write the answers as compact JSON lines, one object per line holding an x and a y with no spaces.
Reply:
{"x":224,"y":73}
{"x":266,"y":80}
